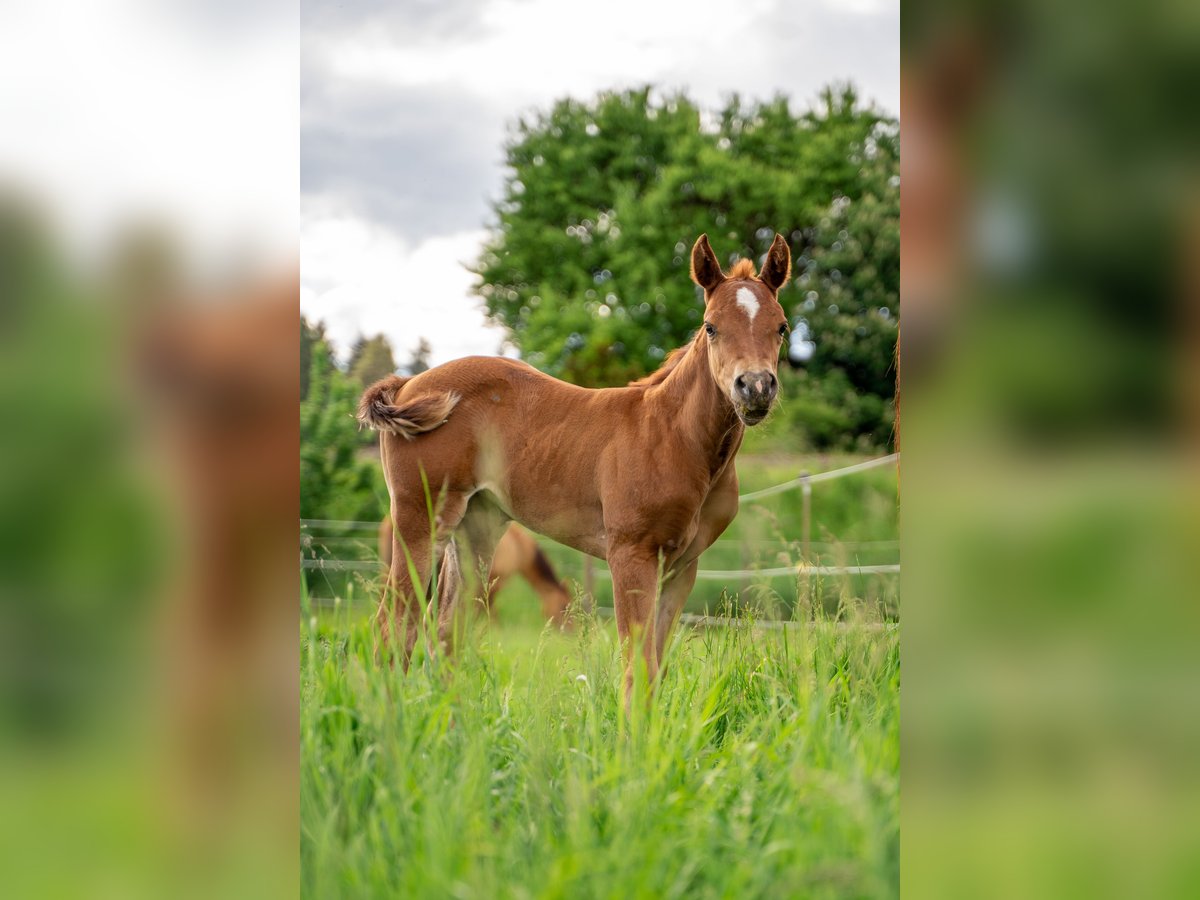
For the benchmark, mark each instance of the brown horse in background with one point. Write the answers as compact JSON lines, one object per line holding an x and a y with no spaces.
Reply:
{"x":641,"y":476}
{"x":517,"y":553}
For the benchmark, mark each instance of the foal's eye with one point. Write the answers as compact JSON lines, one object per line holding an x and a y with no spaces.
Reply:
{"x":783,"y":329}
{"x":709,"y":330}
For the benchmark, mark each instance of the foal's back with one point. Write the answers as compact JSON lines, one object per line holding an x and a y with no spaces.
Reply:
{"x":506,"y":427}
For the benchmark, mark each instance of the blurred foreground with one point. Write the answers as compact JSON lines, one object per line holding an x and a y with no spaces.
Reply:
{"x":149,"y":706}
{"x":148,"y":312}
{"x":1051,"y":201}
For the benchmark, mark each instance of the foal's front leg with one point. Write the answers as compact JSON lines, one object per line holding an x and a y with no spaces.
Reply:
{"x":670,"y":604}
{"x":635,"y":592}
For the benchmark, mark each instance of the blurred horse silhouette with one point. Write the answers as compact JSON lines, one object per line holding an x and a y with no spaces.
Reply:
{"x":641,"y":476}
{"x":217,"y":376}
{"x":517,"y":553}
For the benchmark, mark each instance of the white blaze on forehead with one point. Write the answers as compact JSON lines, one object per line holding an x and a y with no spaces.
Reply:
{"x":747,"y":301}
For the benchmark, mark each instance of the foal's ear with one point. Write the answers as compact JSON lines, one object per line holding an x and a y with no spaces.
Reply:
{"x":706,"y":271}
{"x":778,"y":265}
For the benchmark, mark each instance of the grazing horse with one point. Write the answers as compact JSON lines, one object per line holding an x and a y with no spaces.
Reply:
{"x":641,"y":476}
{"x":517,"y":553}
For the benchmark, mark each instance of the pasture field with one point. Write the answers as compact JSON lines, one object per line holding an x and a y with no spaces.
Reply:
{"x":854,"y":521}
{"x":767,"y":765}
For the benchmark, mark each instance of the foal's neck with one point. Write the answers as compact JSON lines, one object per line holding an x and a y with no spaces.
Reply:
{"x":699,"y":411}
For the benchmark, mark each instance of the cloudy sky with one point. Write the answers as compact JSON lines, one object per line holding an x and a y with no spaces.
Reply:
{"x":404,"y":107}
{"x":180,"y":113}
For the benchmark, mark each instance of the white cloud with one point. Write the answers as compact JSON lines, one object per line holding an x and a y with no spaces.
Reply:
{"x":519,"y":54}
{"x":360,"y":278}
{"x":862,"y":7}
{"x":122,"y":109}
{"x":532,"y":51}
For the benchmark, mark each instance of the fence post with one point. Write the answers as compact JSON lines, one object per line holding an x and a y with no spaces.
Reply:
{"x":806,"y":517}
{"x":807,"y":586}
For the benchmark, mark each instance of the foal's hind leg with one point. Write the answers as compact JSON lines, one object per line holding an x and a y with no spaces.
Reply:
{"x":400,"y":607}
{"x":482,"y":528}
{"x":670,"y":604}
{"x":413,"y":550}
{"x":449,"y":589}
{"x":478,"y":531}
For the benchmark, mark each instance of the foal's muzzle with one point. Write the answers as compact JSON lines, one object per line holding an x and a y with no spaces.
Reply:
{"x":755,"y":392}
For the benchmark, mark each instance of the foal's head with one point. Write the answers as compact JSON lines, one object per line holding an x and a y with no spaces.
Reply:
{"x":744,"y":325}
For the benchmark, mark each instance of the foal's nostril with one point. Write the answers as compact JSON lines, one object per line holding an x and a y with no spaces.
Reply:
{"x":756,"y":389}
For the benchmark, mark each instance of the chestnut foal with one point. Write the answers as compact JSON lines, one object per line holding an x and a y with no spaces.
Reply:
{"x":641,"y":476}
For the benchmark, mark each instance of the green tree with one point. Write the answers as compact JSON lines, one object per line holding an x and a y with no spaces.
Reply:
{"x":587,"y":264}
{"x":371,"y":359}
{"x":311,"y":335}
{"x":420,"y":358}
{"x":339,"y":476}
{"x":82,"y":528}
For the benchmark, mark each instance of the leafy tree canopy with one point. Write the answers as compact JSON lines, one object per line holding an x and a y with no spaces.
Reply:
{"x":311,"y":335}
{"x":420,"y":358}
{"x":371,"y":359}
{"x":587,"y":262}
{"x":339,"y":469}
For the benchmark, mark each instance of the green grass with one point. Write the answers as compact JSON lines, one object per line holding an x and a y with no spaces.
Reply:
{"x":767,"y":765}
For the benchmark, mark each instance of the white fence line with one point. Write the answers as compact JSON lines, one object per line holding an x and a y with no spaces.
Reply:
{"x":347,"y":524}
{"x":340,"y":565}
{"x":706,"y":621}
{"x":781,"y":543}
{"x":800,"y":480}
{"x":801,"y":570}
{"x":329,"y":540}
{"x":774,"y":624}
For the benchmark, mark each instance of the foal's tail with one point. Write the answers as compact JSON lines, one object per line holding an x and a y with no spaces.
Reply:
{"x":422,"y":413}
